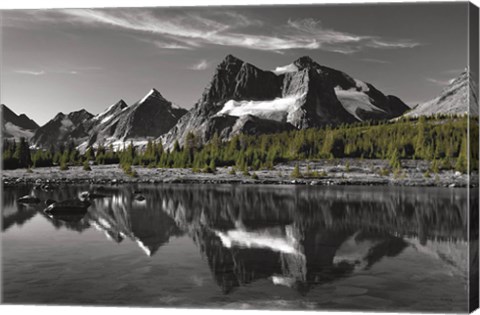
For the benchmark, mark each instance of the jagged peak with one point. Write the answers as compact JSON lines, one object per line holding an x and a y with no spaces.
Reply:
{"x":80,"y":111}
{"x":304,"y":62}
{"x":248,"y":66}
{"x":231,"y":59}
{"x":230,"y":62}
{"x":79,"y":114}
{"x":304,"y":59}
{"x":121,"y":103}
{"x":153,"y":93}
{"x":59,"y":115}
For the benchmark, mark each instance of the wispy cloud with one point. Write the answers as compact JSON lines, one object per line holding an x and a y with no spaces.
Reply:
{"x":372,"y":60}
{"x":56,"y":70}
{"x":342,"y":42}
{"x":439,"y":82}
{"x":187,"y":30}
{"x":377,"y":43}
{"x":30,"y":72}
{"x":202,"y":65}
{"x":170,"y":45}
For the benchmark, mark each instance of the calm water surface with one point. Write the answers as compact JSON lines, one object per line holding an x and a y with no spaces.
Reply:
{"x":231,"y":246}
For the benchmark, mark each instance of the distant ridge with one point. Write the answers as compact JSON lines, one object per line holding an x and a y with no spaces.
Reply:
{"x":148,"y":118}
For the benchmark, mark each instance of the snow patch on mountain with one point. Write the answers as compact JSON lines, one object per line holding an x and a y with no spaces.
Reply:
{"x":285,"y":69}
{"x":152,"y":92}
{"x":109,"y":108}
{"x":362,"y":86}
{"x":176,"y":106}
{"x":120,"y":144}
{"x":105,"y":112}
{"x":353,"y":100}
{"x":278,"y":109}
{"x":117,"y":144}
{"x":109,"y":117}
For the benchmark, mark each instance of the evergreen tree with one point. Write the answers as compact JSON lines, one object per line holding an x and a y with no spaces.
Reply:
{"x":296,"y":172}
{"x":90,"y":154}
{"x":462,"y":162}
{"x":395,"y":160}
{"x":176,"y":146}
{"x":22,"y":154}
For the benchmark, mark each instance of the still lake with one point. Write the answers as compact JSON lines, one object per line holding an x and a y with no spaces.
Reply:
{"x":239,"y":246}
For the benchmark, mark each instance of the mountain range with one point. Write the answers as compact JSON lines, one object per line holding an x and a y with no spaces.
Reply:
{"x":240,"y":98}
{"x":147,"y":118}
{"x":304,"y":94}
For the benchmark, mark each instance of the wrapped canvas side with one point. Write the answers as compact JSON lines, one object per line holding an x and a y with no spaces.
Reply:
{"x":473,"y":156}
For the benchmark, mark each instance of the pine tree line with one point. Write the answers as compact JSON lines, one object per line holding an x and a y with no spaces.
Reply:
{"x":443,"y":141}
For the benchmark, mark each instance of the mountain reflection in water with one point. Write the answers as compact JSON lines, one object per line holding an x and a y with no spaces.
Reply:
{"x":298,"y":237}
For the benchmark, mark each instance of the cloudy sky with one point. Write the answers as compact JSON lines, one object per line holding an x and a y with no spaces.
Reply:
{"x":65,"y":60}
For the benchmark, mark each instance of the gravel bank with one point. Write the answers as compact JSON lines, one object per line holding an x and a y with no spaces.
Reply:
{"x":340,"y":172}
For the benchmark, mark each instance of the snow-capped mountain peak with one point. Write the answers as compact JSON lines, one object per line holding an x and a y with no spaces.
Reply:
{"x":153,"y":93}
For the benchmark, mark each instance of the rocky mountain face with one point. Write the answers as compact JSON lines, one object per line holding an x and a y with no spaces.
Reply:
{"x":304,"y":94}
{"x":62,"y":129}
{"x":103,"y":126}
{"x":16,"y":126}
{"x":458,"y":98}
{"x":148,"y":118}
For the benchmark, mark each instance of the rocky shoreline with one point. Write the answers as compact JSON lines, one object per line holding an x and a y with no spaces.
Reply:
{"x":343,"y":172}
